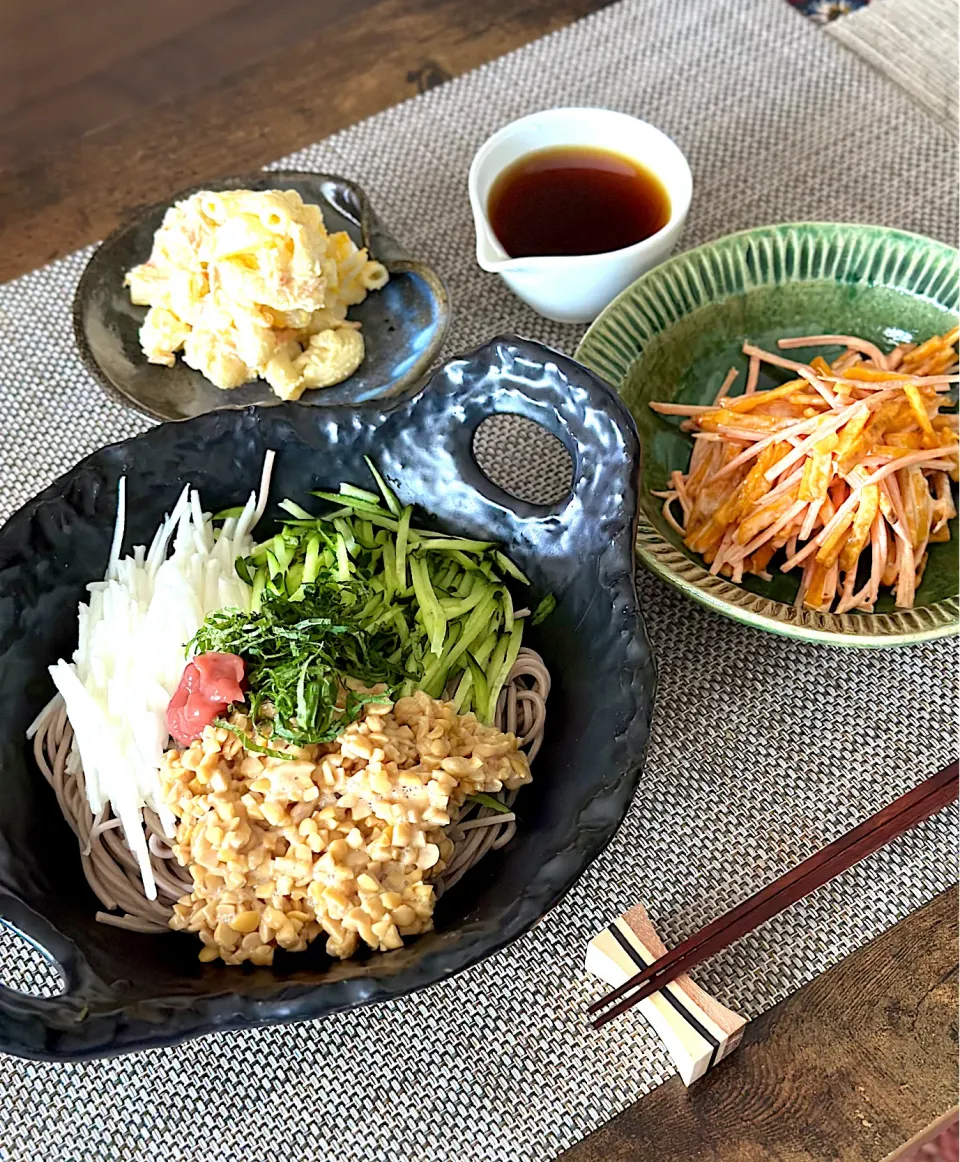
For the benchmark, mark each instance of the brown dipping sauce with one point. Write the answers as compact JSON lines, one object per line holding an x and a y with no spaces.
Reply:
{"x":575,"y":200}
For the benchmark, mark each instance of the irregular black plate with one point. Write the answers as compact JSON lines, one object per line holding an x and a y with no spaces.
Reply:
{"x":127,"y":991}
{"x":403,"y":324}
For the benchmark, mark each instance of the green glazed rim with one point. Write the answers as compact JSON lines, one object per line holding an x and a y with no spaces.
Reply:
{"x":862,"y":259}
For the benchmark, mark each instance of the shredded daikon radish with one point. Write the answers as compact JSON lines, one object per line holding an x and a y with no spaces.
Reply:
{"x":131,"y":651}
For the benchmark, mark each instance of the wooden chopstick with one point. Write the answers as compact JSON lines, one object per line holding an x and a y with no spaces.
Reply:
{"x":892,"y":821}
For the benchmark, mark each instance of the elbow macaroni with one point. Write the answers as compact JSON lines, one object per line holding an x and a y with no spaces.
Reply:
{"x":250,"y":284}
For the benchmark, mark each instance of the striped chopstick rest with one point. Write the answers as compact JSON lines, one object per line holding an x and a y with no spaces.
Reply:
{"x":924,"y":800}
{"x":696,"y":1029}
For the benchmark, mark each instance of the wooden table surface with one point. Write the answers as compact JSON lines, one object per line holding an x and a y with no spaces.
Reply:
{"x":108,"y":104}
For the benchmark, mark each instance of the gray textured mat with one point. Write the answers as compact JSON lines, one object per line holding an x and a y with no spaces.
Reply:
{"x":914,"y":44}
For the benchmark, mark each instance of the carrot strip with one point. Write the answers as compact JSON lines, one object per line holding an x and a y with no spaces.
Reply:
{"x":847,"y":506}
{"x":866,"y":374}
{"x":821,"y":388}
{"x":829,"y":552}
{"x":919,"y":410}
{"x":760,"y":559}
{"x":831,"y":585}
{"x":863,"y":520}
{"x":930,"y":349}
{"x":826,"y":426}
{"x":849,"y":440}
{"x":761,"y":538}
{"x":758,"y":399}
{"x":848,"y":458}
{"x":735,"y":423}
{"x":818,"y":590}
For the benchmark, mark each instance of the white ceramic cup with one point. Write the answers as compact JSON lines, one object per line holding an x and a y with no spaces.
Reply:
{"x":575,"y":289}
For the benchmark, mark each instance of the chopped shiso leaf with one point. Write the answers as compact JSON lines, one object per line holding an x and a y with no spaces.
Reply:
{"x":358,"y":597}
{"x":251,"y":743}
{"x":299,"y":655}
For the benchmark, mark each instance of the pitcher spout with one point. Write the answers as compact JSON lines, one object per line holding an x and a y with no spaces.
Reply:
{"x":490,"y":254}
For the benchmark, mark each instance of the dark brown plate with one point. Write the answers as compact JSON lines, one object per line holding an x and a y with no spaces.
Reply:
{"x":403,"y":324}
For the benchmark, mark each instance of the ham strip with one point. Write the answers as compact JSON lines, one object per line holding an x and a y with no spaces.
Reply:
{"x":851,"y":342}
{"x":788,"y":467}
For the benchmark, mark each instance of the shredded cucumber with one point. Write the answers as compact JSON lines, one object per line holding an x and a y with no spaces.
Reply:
{"x":389,"y":496}
{"x":484,"y":800}
{"x":447,"y":598}
{"x":544,"y":609}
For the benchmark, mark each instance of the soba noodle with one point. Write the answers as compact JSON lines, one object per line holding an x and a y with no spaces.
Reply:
{"x":112,"y":870}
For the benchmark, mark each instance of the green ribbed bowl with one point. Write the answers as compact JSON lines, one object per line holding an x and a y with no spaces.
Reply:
{"x":674,"y":333}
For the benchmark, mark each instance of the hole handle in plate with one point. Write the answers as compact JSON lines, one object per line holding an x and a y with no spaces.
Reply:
{"x":428,"y":444}
{"x":25,"y":1018}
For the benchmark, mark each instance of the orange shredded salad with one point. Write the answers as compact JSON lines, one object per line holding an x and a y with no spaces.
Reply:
{"x":847,"y":468}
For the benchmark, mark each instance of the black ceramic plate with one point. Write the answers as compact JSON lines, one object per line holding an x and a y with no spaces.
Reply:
{"x":403,"y":324}
{"x":126,"y":991}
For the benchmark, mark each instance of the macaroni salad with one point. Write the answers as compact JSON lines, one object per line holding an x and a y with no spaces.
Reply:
{"x":249,"y":284}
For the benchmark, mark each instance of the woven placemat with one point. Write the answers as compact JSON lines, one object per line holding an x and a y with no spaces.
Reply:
{"x":914,"y":44}
{"x":761,"y":751}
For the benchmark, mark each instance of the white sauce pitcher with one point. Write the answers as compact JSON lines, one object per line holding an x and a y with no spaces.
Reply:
{"x":574,"y":289}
